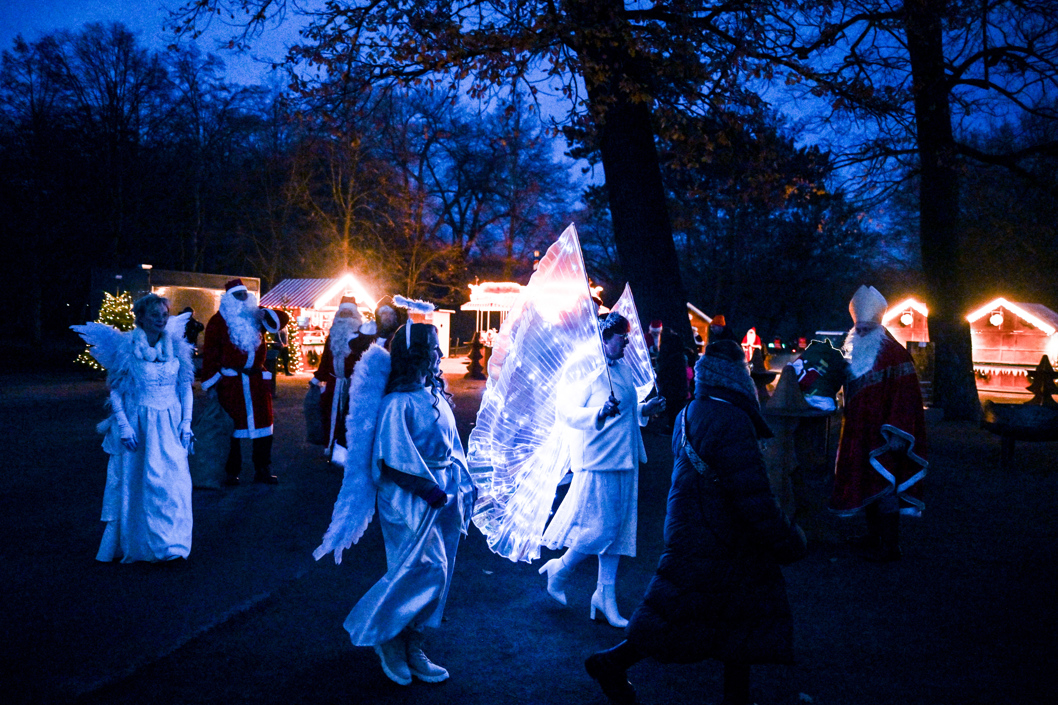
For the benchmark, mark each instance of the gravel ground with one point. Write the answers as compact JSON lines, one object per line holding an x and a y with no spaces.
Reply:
{"x":967,"y":617}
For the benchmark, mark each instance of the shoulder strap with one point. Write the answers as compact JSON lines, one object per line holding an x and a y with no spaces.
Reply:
{"x":696,"y":460}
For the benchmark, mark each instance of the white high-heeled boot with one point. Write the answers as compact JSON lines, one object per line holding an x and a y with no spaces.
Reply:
{"x":604,"y":600}
{"x":556,"y":579}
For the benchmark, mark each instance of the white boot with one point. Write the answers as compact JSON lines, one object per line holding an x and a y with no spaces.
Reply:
{"x":394,"y":660}
{"x":421,"y":667}
{"x":605,"y":601}
{"x":556,"y":579}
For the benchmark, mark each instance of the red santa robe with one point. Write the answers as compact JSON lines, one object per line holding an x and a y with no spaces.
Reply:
{"x":243,"y":384}
{"x":333,"y":411}
{"x":883,"y":438}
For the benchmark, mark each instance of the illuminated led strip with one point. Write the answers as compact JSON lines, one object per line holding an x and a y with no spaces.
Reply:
{"x":1015,"y":309}
{"x":909,"y":303}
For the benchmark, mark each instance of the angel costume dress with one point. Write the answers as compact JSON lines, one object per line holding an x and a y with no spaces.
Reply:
{"x":598,"y":514}
{"x":416,"y":436}
{"x":147,"y":500}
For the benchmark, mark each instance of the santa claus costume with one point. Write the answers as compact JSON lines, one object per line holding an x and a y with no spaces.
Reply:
{"x":233,"y":363}
{"x":346,"y":342}
{"x":882,"y":452}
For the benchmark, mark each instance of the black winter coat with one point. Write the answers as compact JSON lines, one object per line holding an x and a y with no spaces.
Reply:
{"x":718,"y":591}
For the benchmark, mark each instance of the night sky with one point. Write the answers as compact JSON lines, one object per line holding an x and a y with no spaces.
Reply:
{"x":32,"y":18}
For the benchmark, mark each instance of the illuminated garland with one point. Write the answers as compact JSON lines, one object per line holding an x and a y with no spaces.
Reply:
{"x":115,"y":311}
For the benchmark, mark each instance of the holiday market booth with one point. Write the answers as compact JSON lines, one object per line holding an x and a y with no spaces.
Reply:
{"x":1009,"y":338}
{"x":488,"y":298}
{"x":312,"y":304}
{"x":908,"y":321}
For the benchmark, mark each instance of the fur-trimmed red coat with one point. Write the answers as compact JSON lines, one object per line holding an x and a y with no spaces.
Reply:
{"x":325,"y":376}
{"x":883,"y":438}
{"x":244,"y":387}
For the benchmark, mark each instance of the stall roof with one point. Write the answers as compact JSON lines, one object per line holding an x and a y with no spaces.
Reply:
{"x":1037,"y":315}
{"x":908,"y":303}
{"x":314,"y":293}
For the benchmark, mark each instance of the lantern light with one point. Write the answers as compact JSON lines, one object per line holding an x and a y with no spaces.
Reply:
{"x":996,"y":318}
{"x":906,"y":318}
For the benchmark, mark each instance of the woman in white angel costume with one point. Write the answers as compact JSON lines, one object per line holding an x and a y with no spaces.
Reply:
{"x":417,"y":474}
{"x":598,"y":514}
{"x":147,"y":500}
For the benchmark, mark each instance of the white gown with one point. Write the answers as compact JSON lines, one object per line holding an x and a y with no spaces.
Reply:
{"x":415,"y":438}
{"x":147,"y":501}
{"x":599,"y":512}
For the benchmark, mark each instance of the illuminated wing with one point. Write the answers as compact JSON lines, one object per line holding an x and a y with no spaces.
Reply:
{"x":637,"y":357}
{"x":517,"y":451}
{"x":105,"y":342}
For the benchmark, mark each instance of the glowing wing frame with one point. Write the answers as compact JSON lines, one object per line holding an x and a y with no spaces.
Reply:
{"x":517,"y":451}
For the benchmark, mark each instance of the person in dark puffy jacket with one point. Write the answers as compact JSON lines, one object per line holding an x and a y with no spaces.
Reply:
{"x":718,"y":591}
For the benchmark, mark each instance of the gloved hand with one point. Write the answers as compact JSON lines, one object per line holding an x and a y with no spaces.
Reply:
{"x":610,"y":408}
{"x":186,"y":436}
{"x":128,"y":434}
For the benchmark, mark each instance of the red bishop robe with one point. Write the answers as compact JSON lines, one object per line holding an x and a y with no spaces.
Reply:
{"x":243,"y":384}
{"x":883,"y":438}
{"x":325,"y":376}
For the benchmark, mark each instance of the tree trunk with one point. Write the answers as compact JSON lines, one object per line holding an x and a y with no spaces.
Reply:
{"x":954,"y":388}
{"x":642,"y":228}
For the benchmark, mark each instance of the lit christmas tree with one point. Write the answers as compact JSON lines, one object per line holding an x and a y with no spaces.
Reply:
{"x":293,"y":345}
{"x":116,"y":311}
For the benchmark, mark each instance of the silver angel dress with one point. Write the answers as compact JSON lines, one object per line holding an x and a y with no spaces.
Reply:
{"x":147,"y":500}
{"x":416,"y":435}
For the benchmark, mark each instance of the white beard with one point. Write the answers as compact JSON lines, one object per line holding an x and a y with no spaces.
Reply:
{"x":243,"y":328}
{"x":861,"y":350}
{"x":342,"y":331}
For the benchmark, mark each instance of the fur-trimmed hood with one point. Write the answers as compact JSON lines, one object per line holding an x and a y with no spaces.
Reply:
{"x":729,"y":381}
{"x":712,"y":371}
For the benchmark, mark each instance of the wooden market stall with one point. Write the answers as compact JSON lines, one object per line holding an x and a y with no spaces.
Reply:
{"x":313,"y":303}
{"x":1009,"y":338}
{"x":908,"y":321}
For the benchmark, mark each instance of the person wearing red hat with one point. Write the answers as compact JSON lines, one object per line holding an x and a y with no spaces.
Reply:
{"x":882,"y":451}
{"x":233,"y":367}
{"x":346,"y":342}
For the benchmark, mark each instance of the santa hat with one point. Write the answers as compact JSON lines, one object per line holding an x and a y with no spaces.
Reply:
{"x":274,"y":320}
{"x":234,"y":285}
{"x":719,"y":321}
{"x":656,"y":326}
{"x":348,"y":303}
{"x":867,"y":305}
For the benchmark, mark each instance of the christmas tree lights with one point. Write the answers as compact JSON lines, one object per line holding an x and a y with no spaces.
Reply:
{"x":115,"y":311}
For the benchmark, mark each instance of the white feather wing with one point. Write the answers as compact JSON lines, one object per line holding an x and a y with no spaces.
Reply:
{"x":105,"y":342}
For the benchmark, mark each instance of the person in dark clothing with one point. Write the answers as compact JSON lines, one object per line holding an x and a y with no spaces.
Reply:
{"x":672,"y":375}
{"x":718,"y":591}
{"x":193,"y":328}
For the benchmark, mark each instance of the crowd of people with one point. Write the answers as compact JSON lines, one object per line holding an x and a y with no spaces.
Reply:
{"x":718,"y":591}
